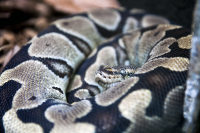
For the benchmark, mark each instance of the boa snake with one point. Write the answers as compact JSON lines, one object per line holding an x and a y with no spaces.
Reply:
{"x":41,"y":89}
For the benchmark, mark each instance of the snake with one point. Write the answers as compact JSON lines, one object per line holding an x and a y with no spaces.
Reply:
{"x":103,"y":71}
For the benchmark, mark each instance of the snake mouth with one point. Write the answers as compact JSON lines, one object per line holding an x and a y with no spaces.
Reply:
{"x":107,"y":80}
{"x":106,"y":85}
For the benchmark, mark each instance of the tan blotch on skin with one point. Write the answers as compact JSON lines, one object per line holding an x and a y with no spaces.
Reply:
{"x":87,"y":32}
{"x":113,"y":94}
{"x":107,"y":18}
{"x":64,"y":117}
{"x":150,"y":20}
{"x":174,"y":64}
{"x":82,"y":94}
{"x":185,"y":42}
{"x":130,"y":24}
{"x":138,"y":47}
{"x":37,"y":84}
{"x":173,"y":105}
{"x":63,"y":49}
{"x":162,"y":48}
{"x":137,"y":10}
{"x":13,"y":124}
{"x":133,"y":107}
{"x":131,"y":42}
{"x":130,"y":109}
{"x":149,"y":40}
{"x":75,"y":83}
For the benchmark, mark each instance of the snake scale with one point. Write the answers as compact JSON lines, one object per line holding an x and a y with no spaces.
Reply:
{"x":69,"y":78}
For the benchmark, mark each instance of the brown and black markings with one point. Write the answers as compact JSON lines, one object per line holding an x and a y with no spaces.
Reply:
{"x":34,"y":83}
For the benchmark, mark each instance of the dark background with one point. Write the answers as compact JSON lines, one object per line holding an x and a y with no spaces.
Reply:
{"x":178,"y":11}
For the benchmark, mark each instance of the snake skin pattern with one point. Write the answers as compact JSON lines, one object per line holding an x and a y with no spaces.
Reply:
{"x":50,"y":84}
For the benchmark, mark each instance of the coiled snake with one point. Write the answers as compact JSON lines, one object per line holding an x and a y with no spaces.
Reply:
{"x":41,"y":89}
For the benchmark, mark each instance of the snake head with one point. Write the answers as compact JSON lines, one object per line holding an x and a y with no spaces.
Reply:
{"x":107,"y":76}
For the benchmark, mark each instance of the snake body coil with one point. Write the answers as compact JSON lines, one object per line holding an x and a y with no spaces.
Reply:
{"x":41,"y":89}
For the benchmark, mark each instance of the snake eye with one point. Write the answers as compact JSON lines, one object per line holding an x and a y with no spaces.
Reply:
{"x":122,"y":71}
